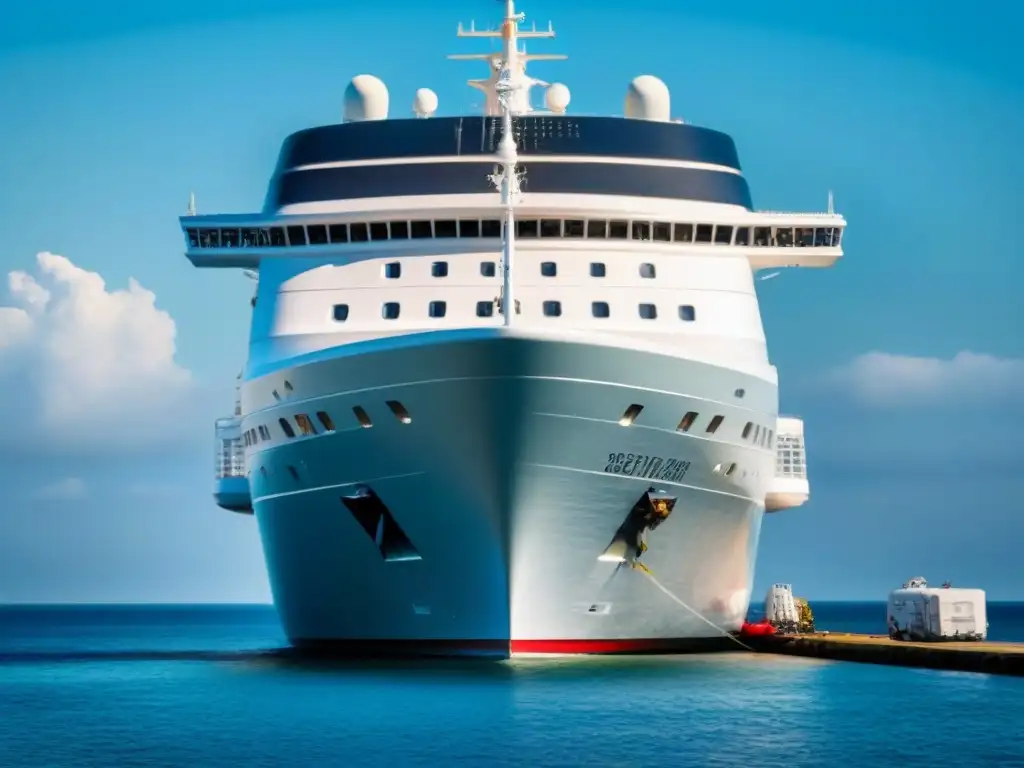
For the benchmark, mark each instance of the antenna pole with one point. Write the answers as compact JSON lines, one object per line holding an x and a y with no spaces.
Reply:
{"x":508,"y":182}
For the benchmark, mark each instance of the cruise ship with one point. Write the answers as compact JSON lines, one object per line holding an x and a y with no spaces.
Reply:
{"x":507,"y":388}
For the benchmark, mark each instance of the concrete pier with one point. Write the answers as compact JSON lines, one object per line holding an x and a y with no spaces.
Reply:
{"x":993,"y":658}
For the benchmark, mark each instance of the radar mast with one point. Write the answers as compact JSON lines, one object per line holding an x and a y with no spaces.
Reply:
{"x":510,"y":58}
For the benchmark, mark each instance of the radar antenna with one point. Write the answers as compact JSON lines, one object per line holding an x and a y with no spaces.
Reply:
{"x":507,"y":181}
{"x":191,"y":204}
{"x":510,"y":60}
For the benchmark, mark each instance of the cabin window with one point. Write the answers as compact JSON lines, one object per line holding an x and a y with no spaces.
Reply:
{"x":325,"y":419}
{"x":338,"y":233}
{"x":597,"y":269}
{"x":438,"y":308}
{"x":527,"y":228}
{"x":439,"y":269}
{"x":661,"y":232}
{"x":359,"y":232}
{"x":548,"y":269}
{"x":552,"y":309}
{"x":296,"y":235}
{"x":469,"y":228}
{"x":687,"y":421}
{"x":687,"y":313}
{"x":618,"y":230}
{"x":393,"y":270}
{"x":490,"y":228}
{"x":747,"y":429}
{"x":551,"y":228}
{"x":731,"y":469}
{"x":704,"y":232}
{"x":390,"y":310}
{"x":305,"y":425}
{"x":487,"y":268}
{"x":485,"y":309}
{"x":362,"y":417}
{"x":648,"y":311}
{"x":647,"y":270}
{"x":286,"y":427}
{"x":641,"y":230}
{"x":317,"y":234}
{"x":421,"y":230}
{"x":597,"y":230}
{"x":399,"y":230}
{"x":630,"y":415}
{"x":340,"y":313}
{"x":574,"y":228}
{"x":723,"y":234}
{"x":445,"y":228}
{"x":682,"y":233}
{"x":714,"y":424}
{"x":400,"y":411}
{"x":600,"y":309}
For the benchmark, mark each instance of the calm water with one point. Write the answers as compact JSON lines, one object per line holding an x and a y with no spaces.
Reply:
{"x":189,"y":686}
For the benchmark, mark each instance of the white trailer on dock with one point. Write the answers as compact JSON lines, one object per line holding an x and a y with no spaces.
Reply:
{"x":922,"y":613}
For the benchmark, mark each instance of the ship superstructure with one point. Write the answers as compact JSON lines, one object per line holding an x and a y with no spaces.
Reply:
{"x":507,"y":388}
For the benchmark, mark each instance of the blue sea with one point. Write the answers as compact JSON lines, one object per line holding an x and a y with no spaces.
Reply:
{"x":202,"y":686}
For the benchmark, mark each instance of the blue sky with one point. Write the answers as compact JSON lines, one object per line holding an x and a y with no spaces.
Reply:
{"x":911,"y":112}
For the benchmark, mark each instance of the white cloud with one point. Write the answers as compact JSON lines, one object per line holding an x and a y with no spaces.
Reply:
{"x":84,"y":367}
{"x":63,"y":490}
{"x":882,"y":379}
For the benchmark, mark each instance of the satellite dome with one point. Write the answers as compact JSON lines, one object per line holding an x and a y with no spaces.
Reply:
{"x":366,"y":98}
{"x":425,"y":103}
{"x":648,"y":99}
{"x":557,"y":97}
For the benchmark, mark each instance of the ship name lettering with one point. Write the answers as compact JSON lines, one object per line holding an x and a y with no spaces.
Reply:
{"x":650,"y":467}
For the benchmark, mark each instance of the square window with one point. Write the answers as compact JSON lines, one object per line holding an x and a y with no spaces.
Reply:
{"x":548,"y":269}
{"x":682,"y":233}
{"x":641,"y":230}
{"x":687,"y":313}
{"x":704,"y":232}
{"x":317,"y":234}
{"x":527,"y":228}
{"x":296,"y":235}
{"x":359,"y":232}
{"x":762,"y":235}
{"x":390,"y":310}
{"x":341,"y":312}
{"x":742,"y":236}
{"x":438,"y":308}
{"x":618,"y":230}
{"x":597,"y":230}
{"x":490,"y":228}
{"x":445,"y":228}
{"x":469,"y":228}
{"x":439,"y":269}
{"x":552,"y":309}
{"x":551,"y":228}
{"x":485,"y":309}
{"x":661,"y":232}
{"x":487,"y":269}
{"x":338,"y":233}
{"x":648,"y":311}
{"x":399,"y":230}
{"x":600,"y":309}
{"x":597,"y":269}
{"x":648,"y":271}
{"x":393,"y":270}
{"x":723,"y":234}
{"x":574,"y":228}
{"x":421,"y":230}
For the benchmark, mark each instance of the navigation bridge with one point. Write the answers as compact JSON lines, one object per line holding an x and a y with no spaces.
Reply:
{"x":790,"y":487}
{"x":231,"y":483}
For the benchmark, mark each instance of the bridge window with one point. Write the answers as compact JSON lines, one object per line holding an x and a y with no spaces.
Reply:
{"x":552,"y":309}
{"x":490,"y":228}
{"x":378,"y":230}
{"x":229,"y":238}
{"x":742,"y":235}
{"x":438,"y":308}
{"x":446,"y":228}
{"x":527,"y":228}
{"x":362,"y":417}
{"x":286,"y":427}
{"x":399,"y":230}
{"x":390,"y":310}
{"x":469,"y":228}
{"x":393,"y":270}
{"x":714,"y":424}
{"x":340,"y":313}
{"x":682,"y":233}
{"x":704,"y":233}
{"x":784,"y":236}
{"x":485,"y":309}
{"x":600,"y":309}
{"x":597,"y":269}
{"x":618,"y":230}
{"x":661,"y":232}
{"x":548,"y":269}
{"x":209,"y":238}
{"x":597,"y":230}
{"x":551,"y":228}
{"x":421,"y":229}
{"x":648,"y":271}
{"x":296,"y":235}
{"x":305,"y":425}
{"x":193,"y":237}
{"x":687,"y":421}
{"x":487,"y":268}
{"x":359,"y":232}
{"x":574,"y":228}
{"x":400,"y":412}
{"x":439,"y":269}
{"x":325,"y":419}
{"x":723,"y":234}
{"x":317,"y":234}
{"x":822,"y":237}
{"x":338,"y":233}
{"x":648,"y":311}
{"x":747,"y":428}
{"x":641,"y":230}
{"x":837,"y":235}
{"x":277,"y":237}
{"x":805,"y":236}
{"x":762,"y":236}
{"x":250,"y":238}
{"x":687,"y":313}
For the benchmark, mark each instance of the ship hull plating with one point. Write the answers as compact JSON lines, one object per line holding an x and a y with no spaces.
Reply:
{"x":498,"y":520}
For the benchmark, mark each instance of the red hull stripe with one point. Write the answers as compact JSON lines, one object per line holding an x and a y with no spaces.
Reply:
{"x":639,"y":645}
{"x":505,"y":647}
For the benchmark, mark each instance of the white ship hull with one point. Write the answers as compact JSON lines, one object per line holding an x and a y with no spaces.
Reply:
{"x":509,"y":483}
